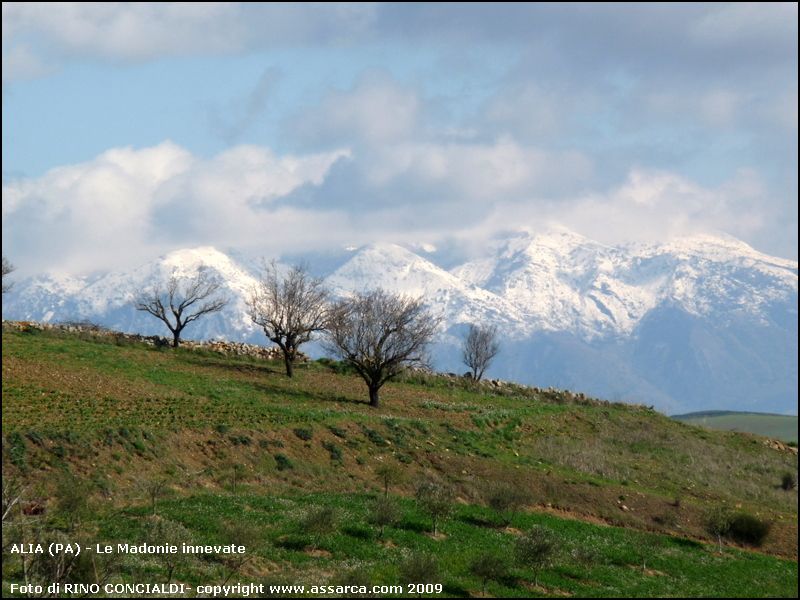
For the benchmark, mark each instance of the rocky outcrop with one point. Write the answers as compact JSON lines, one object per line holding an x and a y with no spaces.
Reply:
{"x":780,"y":446}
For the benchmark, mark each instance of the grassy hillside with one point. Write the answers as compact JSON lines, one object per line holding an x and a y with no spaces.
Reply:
{"x":779,"y":427}
{"x":125,"y":442}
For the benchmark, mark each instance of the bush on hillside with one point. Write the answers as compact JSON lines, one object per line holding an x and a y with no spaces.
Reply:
{"x":536,"y":549}
{"x":419,"y":568}
{"x":436,"y":500}
{"x":749,"y":529}
{"x":506,"y":498}
{"x":488,"y":567}
{"x":304,"y":433}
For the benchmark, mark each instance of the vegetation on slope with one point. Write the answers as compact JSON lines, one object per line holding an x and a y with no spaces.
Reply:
{"x":200,"y":439}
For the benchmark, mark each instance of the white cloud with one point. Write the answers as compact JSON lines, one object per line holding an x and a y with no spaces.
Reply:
{"x":129,"y":203}
{"x":127,"y":31}
{"x":485,"y":172}
{"x":547,"y":135}
{"x":55,"y":32}
{"x":658,"y":205}
{"x":375,"y":111}
{"x":740,"y":22}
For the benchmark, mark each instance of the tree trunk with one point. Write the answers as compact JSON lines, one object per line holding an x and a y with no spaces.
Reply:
{"x":176,"y":339}
{"x":287,"y":360}
{"x":373,"y":395}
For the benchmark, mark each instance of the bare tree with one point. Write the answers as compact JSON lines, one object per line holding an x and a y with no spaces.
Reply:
{"x":480,"y":348}
{"x":182,"y":304}
{"x":380,"y":334}
{"x":290,"y":309}
{"x":8,"y":268}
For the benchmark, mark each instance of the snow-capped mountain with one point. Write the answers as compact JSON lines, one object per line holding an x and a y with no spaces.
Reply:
{"x":399,"y":270}
{"x":108,"y":299}
{"x":696,"y":323}
{"x":562,"y":281}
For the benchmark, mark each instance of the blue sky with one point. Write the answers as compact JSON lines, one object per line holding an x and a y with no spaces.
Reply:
{"x":133,"y":129}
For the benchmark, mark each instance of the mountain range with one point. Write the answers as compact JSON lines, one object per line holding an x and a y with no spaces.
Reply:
{"x":698,"y":323}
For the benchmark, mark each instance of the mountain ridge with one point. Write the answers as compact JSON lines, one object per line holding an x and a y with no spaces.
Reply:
{"x":685,"y":325}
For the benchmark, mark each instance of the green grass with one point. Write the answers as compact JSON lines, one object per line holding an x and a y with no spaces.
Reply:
{"x":779,"y":427}
{"x":591,"y":561}
{"x":117,"y":417}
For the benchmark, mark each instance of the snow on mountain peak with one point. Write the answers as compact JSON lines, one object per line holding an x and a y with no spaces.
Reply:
{"x":563,"y":281}
{"x":188,"y":259}
{"x":679,"y":322}
{"x":391,"y":267}
{"x":399,"y":270}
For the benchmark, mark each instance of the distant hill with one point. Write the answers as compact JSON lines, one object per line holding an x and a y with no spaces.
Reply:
{"x":781,"y":427}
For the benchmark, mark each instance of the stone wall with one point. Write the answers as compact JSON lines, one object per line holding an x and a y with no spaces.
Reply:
{"x":91,"y":329}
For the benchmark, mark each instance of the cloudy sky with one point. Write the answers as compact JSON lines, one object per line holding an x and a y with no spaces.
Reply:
{"x":133,"y":129}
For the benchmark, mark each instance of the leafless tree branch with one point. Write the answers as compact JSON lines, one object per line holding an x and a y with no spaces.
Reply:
{"x":380,"y":334}
{"x":480,"y":348}
{"x":290,"y":308}
{"x":181,"y":304}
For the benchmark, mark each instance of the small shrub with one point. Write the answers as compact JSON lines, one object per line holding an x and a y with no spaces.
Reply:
{"x":282,"y":462}
{"x":71,"y":499}
{"x":154,"y":489}
{"x":237,"y":473}
{"x":304,"y":434}
{"x":488,"y":567}
{"x":536,"y":549}
{"x":356,"y":579}
{"x":718,"y":523}
{"x":384,"y":513}
{"x":373,"y":436}
{"x":419,"y":568}
{"x":421,"y":427}
{"x":333,"y":450}
{"x":270,"y":443}
{"x":222,"y":428}
{"x":749,"y":529}
{"x":585,"y":555}
{"x":505,"y":499}
{"x":389,"y":475}
{"x":338,"y":431}
{"x":243,"y":533}
{"x":788,"y":481}
{"x":320,"y":522}
{"x":35,"y":438}
{"x":436,"y":500}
